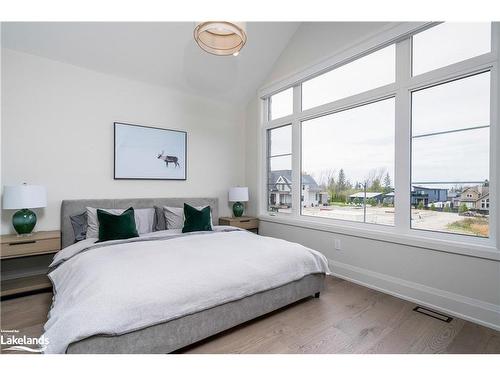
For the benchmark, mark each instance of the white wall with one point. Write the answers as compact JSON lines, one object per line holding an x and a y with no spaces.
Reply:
{"x":461,"y":285}
{"x":57,"y":131}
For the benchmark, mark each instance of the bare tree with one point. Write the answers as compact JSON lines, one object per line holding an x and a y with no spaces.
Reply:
{"x":374,"y":177}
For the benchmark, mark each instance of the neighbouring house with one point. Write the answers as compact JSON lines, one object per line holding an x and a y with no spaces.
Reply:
{"x":476,"y":198}
{"x":379,"y":197}
{"x":280,"y":190}
{"x":388,"y":198}
{"x":454,"y":199}
{"x":426,"y":196}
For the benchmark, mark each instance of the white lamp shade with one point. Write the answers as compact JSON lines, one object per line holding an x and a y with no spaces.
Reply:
{"x":24,"y":196}
{"x":238,"y":194}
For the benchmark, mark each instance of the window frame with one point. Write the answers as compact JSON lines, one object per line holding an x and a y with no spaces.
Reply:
{"x":401,"y":89}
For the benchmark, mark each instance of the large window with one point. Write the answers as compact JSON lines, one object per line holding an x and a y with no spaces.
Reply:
{"x":281,"y":104}
{"x":450,"y":156}
{"x":448,"y":43}
{"x":348,"y":164}
{"x":399,"y":137}
{"x":369,"y":72}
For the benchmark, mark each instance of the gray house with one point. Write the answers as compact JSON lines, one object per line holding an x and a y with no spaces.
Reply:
{"x":379,"y":197}
{"x":428,"y":195}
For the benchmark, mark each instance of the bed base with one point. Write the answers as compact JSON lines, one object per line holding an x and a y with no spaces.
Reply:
{"x":178,"y":333}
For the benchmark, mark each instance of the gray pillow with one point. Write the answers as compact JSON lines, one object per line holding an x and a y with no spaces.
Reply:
{"x":79,"y":223}
{"x":174,"y":216}
{"x":159,"y":219}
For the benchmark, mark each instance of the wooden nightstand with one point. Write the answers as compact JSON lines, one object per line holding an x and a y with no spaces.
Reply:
{"x":38,"y":243}
{"x":243,"y":222}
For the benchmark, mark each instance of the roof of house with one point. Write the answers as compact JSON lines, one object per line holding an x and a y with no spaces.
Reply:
{"x":362,"y":195}
{"x":482,"y":191}
{"x":287,"y":174}
{"x":426,"y":188}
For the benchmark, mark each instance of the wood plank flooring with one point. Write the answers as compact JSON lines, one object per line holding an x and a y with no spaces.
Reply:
{"x":347,"y":318}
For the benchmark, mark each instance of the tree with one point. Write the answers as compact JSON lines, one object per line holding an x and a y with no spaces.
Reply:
{"x":463,"y":208}
{"x":387,"y":183}
{"x":326,"y":180}
{"x":376,"y":186}
{"x":341,"y":181}
{"x":374,"y":178}
{"x":446,"y":209}
{"x":420,"y":205}
{"x":433,"y":207}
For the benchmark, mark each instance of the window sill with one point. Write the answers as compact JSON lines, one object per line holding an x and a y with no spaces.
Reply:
{"x":455,"y":247}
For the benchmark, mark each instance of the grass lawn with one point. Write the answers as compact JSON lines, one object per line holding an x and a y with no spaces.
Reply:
{"x":471,"y":225}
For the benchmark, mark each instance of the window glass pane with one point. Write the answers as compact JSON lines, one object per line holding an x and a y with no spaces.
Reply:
{"x":464,"y":103}
{"x":449,"y":43}
{"x":279,"y":175}
{"x":450,"y":170}
{"x":280,"y":141}
{"x":452,"y":157}
{"x":348,"y":164}
{"x":451,"y":208}
{"x":369,"y":72}
{"x":281,"y":104}
{"x":280,"y":162}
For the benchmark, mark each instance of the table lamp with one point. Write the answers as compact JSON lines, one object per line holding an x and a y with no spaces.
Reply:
{"x":22,"y":198}
{"x":238,"y":195}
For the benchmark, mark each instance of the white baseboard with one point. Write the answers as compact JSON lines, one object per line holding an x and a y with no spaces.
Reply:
{"x":480,"y":312}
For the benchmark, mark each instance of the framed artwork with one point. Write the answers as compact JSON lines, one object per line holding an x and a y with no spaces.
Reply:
{"x":147,"y":153}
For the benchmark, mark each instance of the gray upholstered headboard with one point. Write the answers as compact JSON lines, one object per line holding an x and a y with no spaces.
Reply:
{"x":77,"y":206}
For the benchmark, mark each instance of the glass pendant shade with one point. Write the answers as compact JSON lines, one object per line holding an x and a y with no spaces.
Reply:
{"x":220,"y":37}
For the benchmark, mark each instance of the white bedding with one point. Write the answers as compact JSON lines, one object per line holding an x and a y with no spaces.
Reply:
{"x":125,"y":286}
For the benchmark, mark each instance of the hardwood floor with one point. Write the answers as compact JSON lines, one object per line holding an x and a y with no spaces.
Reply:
{"x":347,"y":318}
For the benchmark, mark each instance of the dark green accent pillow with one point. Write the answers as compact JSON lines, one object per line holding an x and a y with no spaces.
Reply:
{"x":116,"y":227}
{"x":196,"y":220}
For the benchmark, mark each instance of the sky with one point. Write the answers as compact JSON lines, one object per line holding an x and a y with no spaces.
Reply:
{"x":362,"y":139}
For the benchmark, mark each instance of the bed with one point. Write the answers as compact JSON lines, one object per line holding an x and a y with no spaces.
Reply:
{"x":167,"y":290}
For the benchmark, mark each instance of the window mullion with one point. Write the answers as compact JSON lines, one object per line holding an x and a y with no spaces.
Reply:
{"x":264,"y":160}
{"x":402,"y":138}
{"x":296,"y":151}
{"x":494,"y":139}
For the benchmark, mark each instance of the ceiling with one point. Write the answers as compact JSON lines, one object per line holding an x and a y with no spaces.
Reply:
{"x":161,"y":53}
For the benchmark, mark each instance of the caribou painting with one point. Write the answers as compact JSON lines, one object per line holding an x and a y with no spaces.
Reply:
{"x":169,"y":159}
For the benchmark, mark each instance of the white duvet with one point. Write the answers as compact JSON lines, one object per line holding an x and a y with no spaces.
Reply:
{"x":124,"y":286}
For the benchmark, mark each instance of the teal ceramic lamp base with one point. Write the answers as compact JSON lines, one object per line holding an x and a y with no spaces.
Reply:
{"x":238,"y":209}
{"x":24,"y":221}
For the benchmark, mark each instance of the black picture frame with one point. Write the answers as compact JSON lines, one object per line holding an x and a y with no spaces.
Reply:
{"x":154,"y":128}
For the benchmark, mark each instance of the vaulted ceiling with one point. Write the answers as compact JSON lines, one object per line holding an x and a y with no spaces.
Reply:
{"x":161,"y":53}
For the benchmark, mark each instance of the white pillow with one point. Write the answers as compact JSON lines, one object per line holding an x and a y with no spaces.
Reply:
{"x":144,"y":219}
{"x":174,"y":216}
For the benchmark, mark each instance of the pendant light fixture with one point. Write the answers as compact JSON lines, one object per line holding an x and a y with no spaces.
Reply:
{"x":221,"y":38}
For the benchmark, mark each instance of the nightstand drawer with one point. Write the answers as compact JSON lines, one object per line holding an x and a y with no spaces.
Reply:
{"x":246,"y":224}
{"x":28,"y":247}
{"x":243,"y":222}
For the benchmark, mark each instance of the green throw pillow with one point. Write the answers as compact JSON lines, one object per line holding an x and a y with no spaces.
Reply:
{"x":116,"y":227}
{"x":196,"y":220}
